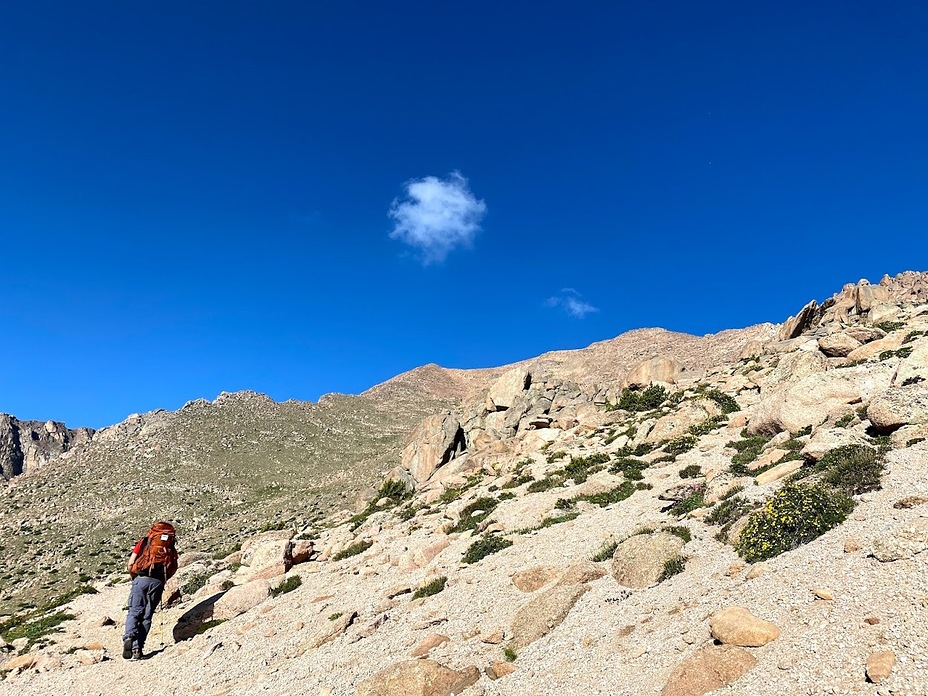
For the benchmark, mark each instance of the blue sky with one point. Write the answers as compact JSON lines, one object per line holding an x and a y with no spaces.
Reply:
{"x":307,"y":197}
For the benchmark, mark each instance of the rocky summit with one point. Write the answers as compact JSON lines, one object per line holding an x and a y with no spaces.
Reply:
{"x":740,"y":513}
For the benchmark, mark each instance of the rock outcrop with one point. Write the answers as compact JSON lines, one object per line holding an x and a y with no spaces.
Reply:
{"x":27,"y":445}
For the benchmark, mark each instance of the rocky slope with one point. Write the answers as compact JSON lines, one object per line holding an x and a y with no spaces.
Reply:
{"x":738,"y":514}
{"x":28,"y":445}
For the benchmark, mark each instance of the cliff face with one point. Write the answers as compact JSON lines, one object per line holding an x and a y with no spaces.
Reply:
{"x":27,"y":445}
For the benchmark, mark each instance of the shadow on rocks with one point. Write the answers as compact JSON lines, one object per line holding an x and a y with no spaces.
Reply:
{"x":191,"y":620}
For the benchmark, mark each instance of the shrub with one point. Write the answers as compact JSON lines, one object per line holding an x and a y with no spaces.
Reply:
{"x":673,"y":566}
{"x":794,"y":515}
{"x":554,"y":456}
{"x":474,"y":513}
{"x":430,"y":588}
{"x":630,"y":468}
{"x":336,"y":615}
{"x":543,"y":484}
{"x":615,"y":495}
{"x":890,"y":326}
{"x":509,"y":654}
{"x":747,"y":450}
{"x":853,"y":469}
{"x":729,"y":510}
{"x":695,"y":499}
{"x":288,"y":585}
{"x":845,"y":420}
{"x":353,"y":550}
{"x":727,"y":403}
{"x":580,"y":468}
{"x":193,"y":583}
{"x":518,"y":481}
{"x":681,"y":444}
{"x":606,"y":551}
{"x":484,"y":546}
{"x":691,"y":471}
{"x":641,"y":400}
{"x":707,"y":426}
{"x":206,"y":625}
{"x":680,"y":531}
{"x":33,"y":629}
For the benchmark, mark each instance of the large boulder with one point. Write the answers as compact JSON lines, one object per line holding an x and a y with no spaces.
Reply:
{"x":806,"y":318}
{"x":269,"y":550}
{"x":240,"y":599}
{"x":680,"y":421}
{"x":914,"y":368}
{"x":507,"y":388}
{"x":433,"y":443}
{"x":838,"y":344}
{"x":663,"y":371}
{"x":899,"y":406}
{"x":812,"y":399}
{"x":639,"y":560}
{"x":418,"y":678}
{"x":543,"y":613}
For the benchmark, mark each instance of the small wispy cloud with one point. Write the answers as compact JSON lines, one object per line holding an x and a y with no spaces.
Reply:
{"x":437,"y":216}
{"x":569,"y":301}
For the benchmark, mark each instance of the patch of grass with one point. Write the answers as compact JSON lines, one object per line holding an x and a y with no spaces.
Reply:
{"x":336,"y":615}
{"x":912,"y":335}
{"x":795,"y":515}
{"x":391,"y":492}
{"x":853,"y":469}
{"x":629,"y":467}
{"x":695,"y":499}
{"x":681,"y":444}
{"x":193,"y":583}
{"x":518,"y":481}
{"x":433,"y":587}
{"x":550,"y":522}
{"x":288,"y":585}
{"x":474,"y":513}
{"x":747,"y":450}
{"x":219,"y":554}
{"x":605,"y":552}
{"x":615,"y":495}
{"x":34,"y":628}
{"x":206,"y":625}
{"x":889,"y":326}
{"x":845,"y":420}
{"x":580,"y":468}
{"x":914,"y":441}
{"x":729,"y":510}
{"x":353,"y":550}
{"x":552,"y":457}
{"x":673,"y":566}
{"x":707,"y":426}
{"x":543,"y":484}
{"x":691,"y":471}
{"x":680,"y":531}
{"x":485,"y":546}
{"x":509,"y":654}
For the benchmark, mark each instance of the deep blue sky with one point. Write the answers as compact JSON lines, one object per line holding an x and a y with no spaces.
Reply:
{"x":196,"y":197}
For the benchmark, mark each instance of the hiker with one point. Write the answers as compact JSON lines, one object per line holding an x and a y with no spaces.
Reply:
{"x":151,"y":565}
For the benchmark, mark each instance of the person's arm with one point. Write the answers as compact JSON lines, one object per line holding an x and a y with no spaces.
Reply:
{"x":135,"y":552}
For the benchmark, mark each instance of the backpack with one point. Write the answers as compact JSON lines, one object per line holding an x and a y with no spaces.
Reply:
{"x":158,"y":547}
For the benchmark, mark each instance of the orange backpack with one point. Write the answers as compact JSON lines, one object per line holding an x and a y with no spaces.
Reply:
{"x":157,"y":548}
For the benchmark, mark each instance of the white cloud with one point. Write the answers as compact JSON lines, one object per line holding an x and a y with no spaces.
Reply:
{"x":569,"y":300}
{"x":437,"y":216}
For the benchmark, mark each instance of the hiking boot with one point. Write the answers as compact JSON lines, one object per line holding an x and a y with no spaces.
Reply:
{"x":136,"y":653}
{"x":127,"y":648}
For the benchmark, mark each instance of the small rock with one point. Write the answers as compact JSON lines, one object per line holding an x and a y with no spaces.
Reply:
{"x":431,"y":641}
{"x":89,"y":657}
{"x":494,"y":638}
{"x":880,"y":665}
{"x":872,"y":620}
{"x":757,"y":570}
{"x":851,"y":545}
{"x":420,"y":677}
{"x":737,"y":626}
{"x":735,"y":569}
{"x":823,"y":593}
{"x":20,"y":662}
{"x":533,"y":579}
{"x":498,"y":670}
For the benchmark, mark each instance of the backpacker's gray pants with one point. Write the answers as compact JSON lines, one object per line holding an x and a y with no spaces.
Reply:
{"x":143,"y":599}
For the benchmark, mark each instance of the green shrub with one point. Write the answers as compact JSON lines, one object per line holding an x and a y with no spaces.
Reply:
{"x":509,"y":654}
{"x":794,"y":515}
{"x":729,"y":510}
{"x":353,"y":550}
{"x":206,"y":625}
{"x":707,"y":426}
{"x":748,"y":449}
{"x":474,"y":513}
{"x":854,"y":469}
{"x":630,"y":468}
{"x":681,"y":444}
{"x":691,"y":471}
{"x":391,"y":492}
{"x":680,"y":531}
{"x":889,"y":326}
{"x":615,"y":495}
{"x":727,"y":403}
{"x":32,"y":628}
{"x":484,"y":546}
{"x":336,"y":615}
{"x":641,"y":400}
{"x":606,"y":551}
{"x":518,"y":481}
{"x":694,"y":499}
{"x":550,"y":522}
{"x":194,"y":582}
{"x":430,"y":588}
{"x":845,"y":420}
{"x":564,"y":504}
{"x":554,"y":456}
{"x":288,"y":585}
{"x":580,"y":468}
{"x":673,"y":566}
{"x":543,"y":484}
